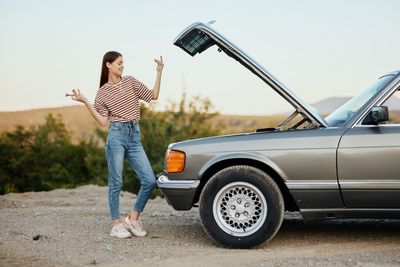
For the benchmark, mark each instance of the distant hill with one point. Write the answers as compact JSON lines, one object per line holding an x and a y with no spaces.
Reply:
{"x":328,"y":105}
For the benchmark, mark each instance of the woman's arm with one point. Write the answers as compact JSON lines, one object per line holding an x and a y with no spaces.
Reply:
{"x":101,"y":120}
{"x":156,"y":89}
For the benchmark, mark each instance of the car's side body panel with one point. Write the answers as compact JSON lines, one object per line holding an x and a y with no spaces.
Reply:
{"x":369,"y":167}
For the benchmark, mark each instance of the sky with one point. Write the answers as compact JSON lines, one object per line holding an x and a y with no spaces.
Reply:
{"x":318,"y":49}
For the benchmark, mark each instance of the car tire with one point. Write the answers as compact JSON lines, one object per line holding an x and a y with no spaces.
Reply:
{"x":241,"y":206}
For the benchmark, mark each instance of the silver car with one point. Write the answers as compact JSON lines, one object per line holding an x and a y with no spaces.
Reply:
{"x":346,"y":165}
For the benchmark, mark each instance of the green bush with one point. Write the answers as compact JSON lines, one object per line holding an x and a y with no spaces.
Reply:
{"x":41,"y":158}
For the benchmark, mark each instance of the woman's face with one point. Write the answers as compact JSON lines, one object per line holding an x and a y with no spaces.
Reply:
{"x":116,"y":67}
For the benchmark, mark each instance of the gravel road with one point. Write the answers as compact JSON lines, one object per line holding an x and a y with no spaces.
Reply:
{"x":71,"y":228}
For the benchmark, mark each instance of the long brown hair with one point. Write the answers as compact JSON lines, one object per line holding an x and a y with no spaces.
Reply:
{"x":110,"y":57}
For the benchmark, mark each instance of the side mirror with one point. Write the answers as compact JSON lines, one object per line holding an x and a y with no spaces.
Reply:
{"x":376,"y":115}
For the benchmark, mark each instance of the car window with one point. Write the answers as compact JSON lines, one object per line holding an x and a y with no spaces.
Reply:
{"x":393,"y":104}
{"x":346,"y":112}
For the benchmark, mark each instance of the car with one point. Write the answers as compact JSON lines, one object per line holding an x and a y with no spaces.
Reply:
{"x":344,"y":165}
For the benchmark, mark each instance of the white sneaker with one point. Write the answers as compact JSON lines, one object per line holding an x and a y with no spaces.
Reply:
{"x":135,"y":227}
{"x":119,"y":230}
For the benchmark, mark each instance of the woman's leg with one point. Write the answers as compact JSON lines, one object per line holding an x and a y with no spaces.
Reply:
{"x":115,"y":152}
{"x":140,"y":163}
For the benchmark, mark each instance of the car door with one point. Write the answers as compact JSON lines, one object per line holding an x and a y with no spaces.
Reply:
{"x":368,"y":161}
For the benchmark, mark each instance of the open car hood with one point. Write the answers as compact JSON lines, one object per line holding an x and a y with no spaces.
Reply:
{"x":198,"y":37}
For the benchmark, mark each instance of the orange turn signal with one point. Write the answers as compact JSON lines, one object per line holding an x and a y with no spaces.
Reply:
{"x":175,"y":161}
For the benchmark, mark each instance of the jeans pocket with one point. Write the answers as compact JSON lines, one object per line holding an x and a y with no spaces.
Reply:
{"x":115,"y":127}
{"x":137,"y":128}
{"x":136,"y":132}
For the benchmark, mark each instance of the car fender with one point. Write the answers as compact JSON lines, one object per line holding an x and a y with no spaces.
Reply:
{"x":242,"y":155}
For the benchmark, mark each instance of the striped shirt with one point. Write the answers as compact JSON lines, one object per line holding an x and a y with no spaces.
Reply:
{"x":120,"y":101}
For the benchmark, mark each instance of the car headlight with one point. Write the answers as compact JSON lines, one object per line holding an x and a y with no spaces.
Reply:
{"x":175,"y":161}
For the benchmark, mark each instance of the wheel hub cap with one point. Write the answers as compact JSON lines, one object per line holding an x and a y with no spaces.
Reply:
{"x":240,"y":208}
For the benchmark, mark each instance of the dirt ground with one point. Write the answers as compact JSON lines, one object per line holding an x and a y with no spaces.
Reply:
{"x":71,"y":228}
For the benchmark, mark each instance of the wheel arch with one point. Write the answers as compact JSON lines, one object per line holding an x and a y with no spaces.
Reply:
{"x":276,"y":174}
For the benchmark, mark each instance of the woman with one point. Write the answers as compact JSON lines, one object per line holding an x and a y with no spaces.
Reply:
{"x":117,"y":101}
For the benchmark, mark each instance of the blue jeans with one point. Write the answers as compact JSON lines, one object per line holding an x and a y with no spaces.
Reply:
{"x":124,"y":141}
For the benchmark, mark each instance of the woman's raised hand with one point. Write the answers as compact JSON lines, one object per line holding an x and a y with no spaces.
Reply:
{"x":160,"y":64}
{"x":77,"y":96}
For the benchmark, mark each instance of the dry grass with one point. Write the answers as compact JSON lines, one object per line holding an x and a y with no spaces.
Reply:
{"x":76,"y":118}
{"x":240,"y":123}
{"x":81,"y":124}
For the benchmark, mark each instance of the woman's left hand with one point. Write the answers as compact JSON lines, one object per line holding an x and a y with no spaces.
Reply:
{"x":160,"y":64}
{"x":77,"y":96}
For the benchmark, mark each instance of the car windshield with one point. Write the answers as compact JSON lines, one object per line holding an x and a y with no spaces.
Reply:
{"x":344,"y":113}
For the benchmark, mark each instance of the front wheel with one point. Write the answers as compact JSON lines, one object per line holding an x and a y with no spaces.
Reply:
{"x":241,"y":206}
